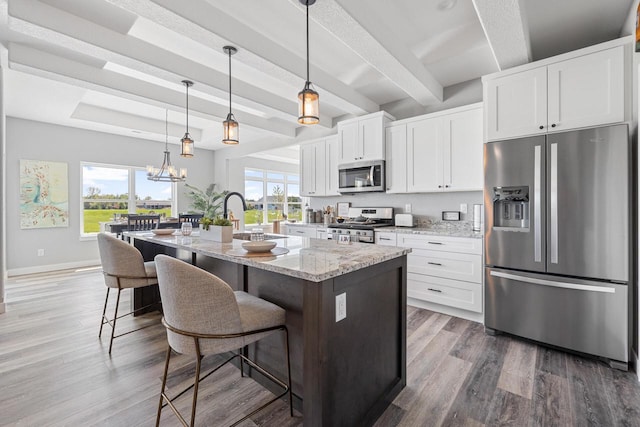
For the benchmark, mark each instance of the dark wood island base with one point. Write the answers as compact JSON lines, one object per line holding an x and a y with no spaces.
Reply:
{"x":344,"y":373}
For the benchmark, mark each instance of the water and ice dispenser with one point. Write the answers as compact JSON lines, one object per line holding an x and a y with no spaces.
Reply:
{"x":511,"y":208}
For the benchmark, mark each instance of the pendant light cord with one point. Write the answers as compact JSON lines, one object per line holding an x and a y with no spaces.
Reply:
{"x":307,"y":41}
{"x":187,"y":85}
{"x":166,"y":130}
{"x":229,"y":80}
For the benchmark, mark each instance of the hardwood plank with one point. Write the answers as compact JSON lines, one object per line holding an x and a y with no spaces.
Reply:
{"x":589,"y":404}
{"x":457,"y":325}
{"x":508,"y":409}
{"x":550,"y":401}
{"x":425,"y":333}
{"x":518,"y":369}
{"x":552,"y":361}
{"x":622,"y":390}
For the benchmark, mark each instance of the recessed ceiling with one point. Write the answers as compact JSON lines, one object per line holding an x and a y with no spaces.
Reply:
{"x":116,"y":65}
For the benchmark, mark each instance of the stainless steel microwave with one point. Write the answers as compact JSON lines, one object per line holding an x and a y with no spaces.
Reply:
{"x":360,"y":177}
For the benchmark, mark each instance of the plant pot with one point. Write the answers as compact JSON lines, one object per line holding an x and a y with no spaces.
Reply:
{"x":217,"y":233}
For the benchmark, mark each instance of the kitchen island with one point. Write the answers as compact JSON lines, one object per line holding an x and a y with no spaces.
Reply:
{"x":345,"y":372}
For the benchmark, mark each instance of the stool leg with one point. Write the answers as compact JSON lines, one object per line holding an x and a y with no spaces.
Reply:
{"x":104,"y":312}
{"x":196,"y":383}
{"x":115,"y":317}
{"x":164,"y":383}
{"x":286,"y":335}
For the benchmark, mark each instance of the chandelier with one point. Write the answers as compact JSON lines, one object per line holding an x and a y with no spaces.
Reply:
{"x":167,"y":172}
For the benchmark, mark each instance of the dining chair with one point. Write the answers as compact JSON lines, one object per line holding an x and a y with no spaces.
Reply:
{"x":192,"y":218}
{"x":123,"y":268}
{"x":143,"y":222}
{"x":204,"y":316}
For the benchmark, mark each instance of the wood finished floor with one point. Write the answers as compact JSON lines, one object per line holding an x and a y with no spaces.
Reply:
{"x":54,"y":371}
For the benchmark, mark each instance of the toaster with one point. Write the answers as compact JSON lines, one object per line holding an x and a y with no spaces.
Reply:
{"x":404,"y":220}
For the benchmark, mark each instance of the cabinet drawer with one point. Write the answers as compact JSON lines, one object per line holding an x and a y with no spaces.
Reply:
{"x":441,"y":243}
{"x":385,"y":238}
{"x":301,"y":231}
{"x":454,"y":293}
{"x":450,"y":265}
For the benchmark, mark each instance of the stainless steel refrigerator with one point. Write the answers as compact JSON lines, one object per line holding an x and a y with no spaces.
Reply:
{"x":557,"y":240}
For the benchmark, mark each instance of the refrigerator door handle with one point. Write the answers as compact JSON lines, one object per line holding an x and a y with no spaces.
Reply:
{"x":554,"y":203}
{"x":553,"y":283}
{"x":537,"y":215}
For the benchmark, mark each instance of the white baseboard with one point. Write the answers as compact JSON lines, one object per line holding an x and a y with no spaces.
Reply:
{"x":451,"y":311}
{"x":52,"y":267}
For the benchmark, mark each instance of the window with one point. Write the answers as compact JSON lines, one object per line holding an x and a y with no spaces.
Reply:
{"x":271,"y":195}
{"x":109,"y":190}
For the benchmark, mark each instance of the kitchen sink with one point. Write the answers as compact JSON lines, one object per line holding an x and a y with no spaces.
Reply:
{"x":247,"y":236}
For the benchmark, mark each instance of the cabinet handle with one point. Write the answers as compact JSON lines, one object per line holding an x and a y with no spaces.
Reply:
{"x":553,"y":125}
{"x":298,"y":231}
{"x":541,"y":127}
{"x":434,"y":263}
{"x":434,"y":290}
{"x":384,"y":238}
{"x":447,"y":186}
{"x":434,"y":243}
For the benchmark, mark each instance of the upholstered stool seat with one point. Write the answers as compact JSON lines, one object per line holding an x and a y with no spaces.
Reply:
{"x":203,"y":316}
{"x":123,"y":268}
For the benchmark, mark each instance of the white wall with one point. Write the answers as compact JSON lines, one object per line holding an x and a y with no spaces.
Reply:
{"x":3,"y":193}
{"x":42,"y":141}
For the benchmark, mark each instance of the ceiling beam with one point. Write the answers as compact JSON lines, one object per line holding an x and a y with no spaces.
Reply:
{"x":259,"y":52}
{"x":505,"y":26}
{"x":358,"y":28}
{"x":80,"y":35}
{"x":135,"y":89}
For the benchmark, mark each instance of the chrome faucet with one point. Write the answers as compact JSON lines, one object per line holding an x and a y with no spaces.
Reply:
{"x":224,"y":205}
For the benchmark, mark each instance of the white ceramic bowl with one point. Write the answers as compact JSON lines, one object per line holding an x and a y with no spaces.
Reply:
{"x":163,"y":231}
{"x":259,"y":246}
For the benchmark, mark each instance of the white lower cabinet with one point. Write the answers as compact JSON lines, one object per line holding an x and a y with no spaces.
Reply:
{"x":301,"y":231}
{"x":385,"y":238}
{"x":321,"y":233}
{"x":444,"y":270}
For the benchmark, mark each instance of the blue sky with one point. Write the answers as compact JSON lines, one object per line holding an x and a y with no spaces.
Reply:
{"x":115,"y":181}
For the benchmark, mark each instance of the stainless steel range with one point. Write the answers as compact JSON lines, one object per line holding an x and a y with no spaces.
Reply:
{"x":361,"y":224}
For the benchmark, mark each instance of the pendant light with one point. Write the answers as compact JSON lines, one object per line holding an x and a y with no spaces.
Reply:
{"x":167,"y":172}
{"x":187,"y":141}
{"x":308,"y":98}
{"x":230,"y":129}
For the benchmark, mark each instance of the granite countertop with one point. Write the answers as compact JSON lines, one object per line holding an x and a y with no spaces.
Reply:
{"x":305,"y":224}
{"x":309,"y":259}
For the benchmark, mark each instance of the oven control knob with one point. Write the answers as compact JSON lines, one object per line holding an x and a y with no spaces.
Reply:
{"x":357,"y":232}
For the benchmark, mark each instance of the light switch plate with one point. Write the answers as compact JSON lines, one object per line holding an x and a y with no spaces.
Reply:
{"x":407,"y":208}
{"x":341,"y":306}
{"x":463,"y":208}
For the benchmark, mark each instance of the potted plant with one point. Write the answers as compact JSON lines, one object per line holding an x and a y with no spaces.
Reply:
{"x":208,"y":202}
{"x":218,"y":229}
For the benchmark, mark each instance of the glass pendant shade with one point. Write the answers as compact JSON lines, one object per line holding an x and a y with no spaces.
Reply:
{"x":230,"y":130}
{"x":308,"y":106}
{"x":187,"y":145}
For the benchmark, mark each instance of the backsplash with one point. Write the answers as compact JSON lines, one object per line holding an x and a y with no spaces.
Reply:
{"x":425,"y":206}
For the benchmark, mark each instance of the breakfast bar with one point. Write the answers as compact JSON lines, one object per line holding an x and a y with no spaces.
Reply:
{"x":346,"y":316}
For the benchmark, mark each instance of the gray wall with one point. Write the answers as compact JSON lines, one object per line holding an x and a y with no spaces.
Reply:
{"x":41,"y":141}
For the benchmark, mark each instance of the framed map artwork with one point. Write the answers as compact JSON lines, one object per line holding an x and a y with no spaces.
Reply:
{"x":44,"y":194}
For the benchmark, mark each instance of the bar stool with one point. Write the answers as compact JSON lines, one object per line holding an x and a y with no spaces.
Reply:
{"x":204,"y":316}
{"x":123,"y":267}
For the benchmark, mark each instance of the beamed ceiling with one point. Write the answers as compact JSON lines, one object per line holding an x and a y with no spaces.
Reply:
{"x":116,"y":65}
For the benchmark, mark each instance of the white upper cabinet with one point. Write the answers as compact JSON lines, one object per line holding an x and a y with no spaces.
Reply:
{"x":362,"y":138}
{"x":437,"y":152}
{"x":319,"y":167}
{"x":396,"y":159}
{"x":579,"y":89}
{"x":586,"y":91}
{"x":517,"y":104}
{"x":463,"y":151}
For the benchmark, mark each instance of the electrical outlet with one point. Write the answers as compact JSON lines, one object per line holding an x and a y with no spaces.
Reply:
{"x":40,"y":252}
{"x":341,"y":306}
{"x":407,"y":208}
{"x":463,"y":208}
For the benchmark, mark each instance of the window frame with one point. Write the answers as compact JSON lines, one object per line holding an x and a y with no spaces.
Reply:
{"x":131,"y":188}
{"x":265,"y":180}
